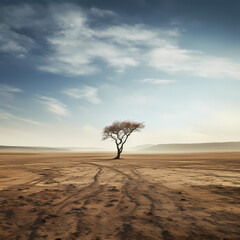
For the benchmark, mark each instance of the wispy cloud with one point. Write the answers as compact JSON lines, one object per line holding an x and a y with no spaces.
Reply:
{"x":14,"y":43}
{"x":53,"y":105}
{"x":156,"y":81}
{"x":87,"y":93}
{"x":4,"y":105}
{"x":8,"y":91}
{"x":79,"y":46}
{"x":173,"y":59}
{"x":9,"y":117}
{"x":101,"y":13}
{"x":136,"y":100}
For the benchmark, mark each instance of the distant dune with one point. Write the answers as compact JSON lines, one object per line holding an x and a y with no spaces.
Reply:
{"x":147,"y":148}
{"x":140,"y":147}
{"x":28,"y":148}
{"x":194,"y":147}
{"x":49,"y":149}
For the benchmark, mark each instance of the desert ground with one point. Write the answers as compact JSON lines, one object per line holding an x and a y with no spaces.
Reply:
{"x":61,"y":196}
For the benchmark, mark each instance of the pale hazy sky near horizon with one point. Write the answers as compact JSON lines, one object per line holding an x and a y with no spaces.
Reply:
{"x":69,"y":68}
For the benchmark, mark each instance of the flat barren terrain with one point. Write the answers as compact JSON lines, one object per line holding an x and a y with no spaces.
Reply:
{"x":63,"y":196}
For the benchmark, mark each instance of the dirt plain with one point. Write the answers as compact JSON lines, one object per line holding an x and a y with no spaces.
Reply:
{"x":61,"y":196}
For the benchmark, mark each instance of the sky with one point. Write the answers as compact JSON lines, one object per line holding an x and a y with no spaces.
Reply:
{"x":70,"y":68}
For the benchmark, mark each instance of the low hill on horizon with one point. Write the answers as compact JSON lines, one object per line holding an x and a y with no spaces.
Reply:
{"x":51,"y":149}
{"x":193,"y":147}
{"x":146,"y":148}
{"x":30,"y":148}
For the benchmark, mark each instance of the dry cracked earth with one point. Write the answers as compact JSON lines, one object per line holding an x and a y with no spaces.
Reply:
{"x":63,"y":196}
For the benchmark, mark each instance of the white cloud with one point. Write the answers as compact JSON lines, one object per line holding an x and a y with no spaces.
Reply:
{"x":18,"y":16}
{"x":85,"y":92}
{"x":8,"y":91}
{"x":8,"y":106}
{"x":173,"y":59}
{"x":156,"y":81}
{"x":11,"y":117}
{"x":102,"y":13}
{"x":14,"y":43}
{"x":79,"y":46}
{"x":53,"y":105}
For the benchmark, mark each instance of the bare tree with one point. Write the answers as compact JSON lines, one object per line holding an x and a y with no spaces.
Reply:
{"x":120,"y":131}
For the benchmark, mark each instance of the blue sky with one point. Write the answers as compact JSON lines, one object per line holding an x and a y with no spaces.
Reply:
{"x":69,"y":68}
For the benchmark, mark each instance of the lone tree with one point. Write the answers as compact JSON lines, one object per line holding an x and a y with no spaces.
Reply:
{"x":120,"y":131}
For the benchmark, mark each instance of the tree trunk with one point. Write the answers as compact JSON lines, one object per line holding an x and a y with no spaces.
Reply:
{"x":118,"y":154}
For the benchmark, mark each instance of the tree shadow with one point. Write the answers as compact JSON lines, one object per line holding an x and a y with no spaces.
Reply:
{"x":108,"y":159}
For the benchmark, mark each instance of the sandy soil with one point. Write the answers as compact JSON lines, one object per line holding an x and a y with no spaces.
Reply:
{"x":89,"y":196}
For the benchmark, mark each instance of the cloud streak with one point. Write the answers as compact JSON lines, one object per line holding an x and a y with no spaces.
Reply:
{"x":78,"y":45}
{"x":9,"y":117}
{"x":13,"y":43}
{"x":53,"y":105}
{"x":173,"y":59}
{"x":156,"y":81}
{"x":8,"y":91}
{"x":86,"y":93}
